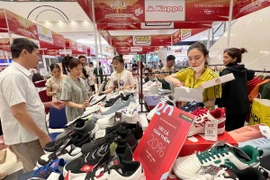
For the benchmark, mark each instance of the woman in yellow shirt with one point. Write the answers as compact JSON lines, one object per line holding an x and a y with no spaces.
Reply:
{"x":197,"y":73}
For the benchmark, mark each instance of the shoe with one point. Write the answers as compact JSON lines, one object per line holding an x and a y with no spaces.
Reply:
{"x":119,"y":104}
{"x":106,"y":121}
{"x":203,"y":115}
{"x":152,"y":87}
{"x":79,"y":126}
{"x":260,"y":143}
{"x":191,"y":106}
{"x":136,"y":129}
{"x":90,"y":110}
{"x":129,"y":139}
{"x":116,"y":169}
{"x":55,"y":166}
{"x":111,"y":101}
{"x":79,"y":132}
{"x":96,"y":99}
{"x":233,"y":157}
{"x":86,"y":163}
{"x":246,"y":133}
{"x":68,"y":153}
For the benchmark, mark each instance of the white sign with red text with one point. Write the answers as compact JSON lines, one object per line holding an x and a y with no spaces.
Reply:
{"x":170,"y":10}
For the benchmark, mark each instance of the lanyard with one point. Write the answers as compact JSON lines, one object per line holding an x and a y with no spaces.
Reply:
{"x":119,"y":78}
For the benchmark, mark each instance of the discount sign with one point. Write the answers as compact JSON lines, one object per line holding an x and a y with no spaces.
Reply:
{"x":163,"y":140}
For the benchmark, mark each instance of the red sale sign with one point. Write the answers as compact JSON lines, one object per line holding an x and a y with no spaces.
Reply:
{"x":163,"y":140}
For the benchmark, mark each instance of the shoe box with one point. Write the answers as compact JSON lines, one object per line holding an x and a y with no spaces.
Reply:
{"x":198,"y":143}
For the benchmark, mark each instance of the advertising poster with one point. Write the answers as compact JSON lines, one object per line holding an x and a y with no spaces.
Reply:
{"x":141,"y":40}
{"x":161,"y":40}
{"x":122,"y":41}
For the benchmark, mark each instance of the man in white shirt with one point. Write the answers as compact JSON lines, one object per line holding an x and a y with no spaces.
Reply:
{"x":22,"y":112}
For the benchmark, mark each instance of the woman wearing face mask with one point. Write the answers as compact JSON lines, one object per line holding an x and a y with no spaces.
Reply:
{"x":235,"y":93}
{"x":73,"y":91}
{"x":53,"y":83}
{"x":120,"y":78}
{"x":197,"y":73}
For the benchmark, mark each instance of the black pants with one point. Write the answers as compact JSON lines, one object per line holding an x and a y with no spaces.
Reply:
{"x":234,"y":121}
{"x":93,"y":88}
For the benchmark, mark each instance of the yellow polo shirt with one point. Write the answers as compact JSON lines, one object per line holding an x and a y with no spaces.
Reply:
{"x":187,"y":76}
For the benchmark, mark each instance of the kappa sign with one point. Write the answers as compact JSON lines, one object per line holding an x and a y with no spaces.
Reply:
{"x":142,"y":40}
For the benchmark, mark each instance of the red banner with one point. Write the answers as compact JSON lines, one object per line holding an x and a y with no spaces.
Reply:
{"x":107,"y":11}
{"x":3,"y":24}
{"x":161,"y":40}
{"x":21,"y":26}
{"x":50,"y":52}
{"x":207,"y":10}
{"x":58,"y":40}
{"x":244,"y":7}
{"x":87,"y":7}
{"x":122,"y":41}
{"x":176,"y":36}
{"x":106,"y":36}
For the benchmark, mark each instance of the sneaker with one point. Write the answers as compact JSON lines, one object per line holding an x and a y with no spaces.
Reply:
{"x":119,"y":104}
{"x":191,"y":106}
{"x":106,"y":121}
{"x":86,"y":163}
{"x":90,"y":110}
{"x":79,"y":126}
{"x":67,"y":153}
{"x":112,"y":101}
{"x":96,"y":99}
{"x":136,"y":129}
{"x":203,"y":115}
{"x":55,"y":166}
{"x":246,"y":133}
{"x":260,"y":143}
{"x":233,"y":157}
{"x":116,"y":168}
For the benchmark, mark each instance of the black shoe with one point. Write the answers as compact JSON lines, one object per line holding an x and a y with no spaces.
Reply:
{"x":111,"y":101}
{"x":135,"y":128}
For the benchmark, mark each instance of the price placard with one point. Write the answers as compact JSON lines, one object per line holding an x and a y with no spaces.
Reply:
{"x":163,"y":140}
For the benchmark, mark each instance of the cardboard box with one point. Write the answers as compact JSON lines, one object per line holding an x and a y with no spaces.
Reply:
{"x":198,"y":143}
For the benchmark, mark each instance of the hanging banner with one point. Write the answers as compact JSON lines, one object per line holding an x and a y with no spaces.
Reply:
{"x":118,"y":26}
{"x":186,"y":33}
{"x":108,"y":11}
{"x":87,"y":7}
{"x":169,"y":10}
{"x":244,"y":7}
{"x":161,"y":40}
{"x":21,"y":26}
{"x":106,"y":36}
{"x":176,"y":36}
{"x":50,"y":52}
{"x":141,"y":40}
{"x":210,"y":10}
{"x":58,"y":40}
{"x":4,"y":41}
{"x":44,"y":34}
{"x":122,"y":41}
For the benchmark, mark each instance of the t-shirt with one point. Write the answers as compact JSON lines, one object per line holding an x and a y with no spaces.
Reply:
{"x":122,"y":79}
{"x":16,"y":87}
{"x":187,"y":77}
{"x":254,"y":93}
{"x":167,"y":69}
{"x":55,"y":83}
{"x":75,"y":91}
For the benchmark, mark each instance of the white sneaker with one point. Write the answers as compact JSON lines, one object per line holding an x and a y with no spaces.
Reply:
{"x":152,"y":88}
{"x":116,"y":169}
{"x":91,"y":109}
{"x":106,"y":121}
{"x":233,"y":157}
{"x":69,"y":153}
{"x":203,"y":115}
{"x":96,"y":99}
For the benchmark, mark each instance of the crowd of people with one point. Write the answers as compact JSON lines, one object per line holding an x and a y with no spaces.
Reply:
{"x":71,"y":85}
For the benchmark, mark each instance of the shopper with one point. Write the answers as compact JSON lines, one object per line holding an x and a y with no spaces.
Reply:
{"x":92,"y":77}
{"x":53,"y":84}
{"x":120,"y":78}
{"x":85,"y":75}
{"x":99,"y":73}
{"x":73,"y":91}
{"x":22,"y":113}
{"x":169,"y":67}
{"x":235,"y":93}
{"x":197,"y":73}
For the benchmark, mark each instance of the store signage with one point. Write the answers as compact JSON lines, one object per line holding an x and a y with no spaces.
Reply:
{"x":65,"y":51}
{"x":163,"y":140}
{"x":44,"y":34}
{"x":142,"y":40}
{"x":185,"y":33}
{"x":80,"y":47}
{"x":136,"y":49}
{"x":170,"y":10}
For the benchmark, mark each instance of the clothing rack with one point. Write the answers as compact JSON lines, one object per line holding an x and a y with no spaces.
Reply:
{"x":262,"y":71}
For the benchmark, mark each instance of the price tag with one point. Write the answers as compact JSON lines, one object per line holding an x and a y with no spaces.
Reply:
{"x":265,"y":130}
{"x":211,"y":131}
{"x":100,"y":134}
{"x":163,"y":140}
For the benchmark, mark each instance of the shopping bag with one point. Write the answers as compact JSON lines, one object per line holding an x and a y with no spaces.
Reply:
{"x":260,"y":112}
